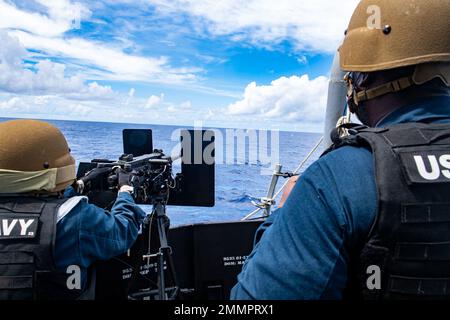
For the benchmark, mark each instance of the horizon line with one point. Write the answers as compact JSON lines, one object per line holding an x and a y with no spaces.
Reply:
{"x":154,"y":124}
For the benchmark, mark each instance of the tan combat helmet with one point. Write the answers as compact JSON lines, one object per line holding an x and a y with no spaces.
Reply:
{"x":34,"y":157}
{"x":389,"y":34}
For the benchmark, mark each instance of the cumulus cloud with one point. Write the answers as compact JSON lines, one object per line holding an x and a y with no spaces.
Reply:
{"x":154,"y":101}
{"x":44,"y":77}
{"x":182,"y":107}
{"x":38,"y":31}
{"x":312,"y":25}
{"x":287,"y":99}
{"x":92,"y":90}
{"x":130,"y":96}
{"x":158,"y":104}
{"x":37,"y":106}
{"x":79,"y":110}
{"x":15,"y":104}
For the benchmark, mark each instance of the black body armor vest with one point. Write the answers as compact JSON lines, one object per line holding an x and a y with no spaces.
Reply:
{"x":27,"y":241}
{"x":410,"y":239}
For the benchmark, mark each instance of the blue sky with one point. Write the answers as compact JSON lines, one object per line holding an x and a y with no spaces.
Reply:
{"x":246,"y":64}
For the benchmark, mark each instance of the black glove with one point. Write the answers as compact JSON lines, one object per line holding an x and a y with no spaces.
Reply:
{"x":123,"y":178}
{"x":96,"y":174}
{"x":95,"y":177}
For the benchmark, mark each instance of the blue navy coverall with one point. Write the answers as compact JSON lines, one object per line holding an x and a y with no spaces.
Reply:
{"x":87,"y":233}
{"x":302,"y":250}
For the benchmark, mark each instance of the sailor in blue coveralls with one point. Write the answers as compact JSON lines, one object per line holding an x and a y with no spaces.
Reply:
{"x":305,"y":250}
{"x":48,"y":231}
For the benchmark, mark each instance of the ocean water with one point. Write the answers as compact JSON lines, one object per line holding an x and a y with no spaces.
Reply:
{"x":238,"y":182}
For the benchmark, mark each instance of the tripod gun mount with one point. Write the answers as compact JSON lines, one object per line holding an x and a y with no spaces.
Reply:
{"x":158,"y":219}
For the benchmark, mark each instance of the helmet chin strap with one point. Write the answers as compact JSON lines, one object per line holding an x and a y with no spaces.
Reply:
{"x":355,"y":97}
{"x":422,"y":74}
{"x":390,"y":87}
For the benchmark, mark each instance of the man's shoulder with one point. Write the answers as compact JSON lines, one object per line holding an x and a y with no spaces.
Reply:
{"x":70,"y":204}
{"x":347,"y":154}
{"x":345,"y":178}
{"x":350,"y":171}
{"x":344,"y":162}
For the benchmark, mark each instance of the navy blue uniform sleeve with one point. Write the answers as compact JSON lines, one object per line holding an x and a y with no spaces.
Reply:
{"x":89,"y":233}
{"x":303,"y":251}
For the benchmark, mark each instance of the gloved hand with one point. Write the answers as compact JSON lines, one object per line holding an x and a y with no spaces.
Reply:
{"x":123,"y":178}
{"x":95,"y":176}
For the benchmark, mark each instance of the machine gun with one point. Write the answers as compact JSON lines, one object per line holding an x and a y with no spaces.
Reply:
{"x":155,"y":184}
{"x":152,"y":171}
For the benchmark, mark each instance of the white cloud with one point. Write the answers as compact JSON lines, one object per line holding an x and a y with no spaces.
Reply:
{"x":109,"y":63}
{"x":45,"y":32}
{"x":15,"y":104}
{"x":59,"y":107}
{"x":312,"y":25}
{"x":182,"y":107}
{"x":79,"y":110}
{"x":58,"y":18}
{"x":130,"y":96}
{"x":93,"y":91}
{"x":154,"y":101}
{"x":68,"y":90}
{"x":42,"y":106}
{"x":295,"y":103}
{"x":158,"y":103}
{"x":186,"y":105}
{"x":210,"y":114}
{"x":285,"y":99}
{"x":46,"y":78}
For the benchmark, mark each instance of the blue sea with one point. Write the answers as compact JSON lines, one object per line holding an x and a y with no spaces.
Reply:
{"x":237,"y":183}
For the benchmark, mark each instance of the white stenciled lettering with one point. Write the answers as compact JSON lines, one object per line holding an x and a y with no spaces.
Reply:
{"x":445,"y":162}
{"x":24,"y":225}
{"x":8,"y":227}
{"x":428,"y":175}
{"x":16,"y":227}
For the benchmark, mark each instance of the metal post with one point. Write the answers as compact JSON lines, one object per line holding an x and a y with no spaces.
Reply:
{"x":163,"y":245}
{"x":266,"y":203}
{"x":269,"y":198}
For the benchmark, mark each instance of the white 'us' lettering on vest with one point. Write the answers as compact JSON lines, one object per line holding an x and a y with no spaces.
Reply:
{"x":437,"y":167}
{"x":8,"y":225}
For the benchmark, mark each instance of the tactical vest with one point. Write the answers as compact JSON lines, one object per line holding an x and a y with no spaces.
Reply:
{"x":410,"y":239}
{"x":27,"y":241}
